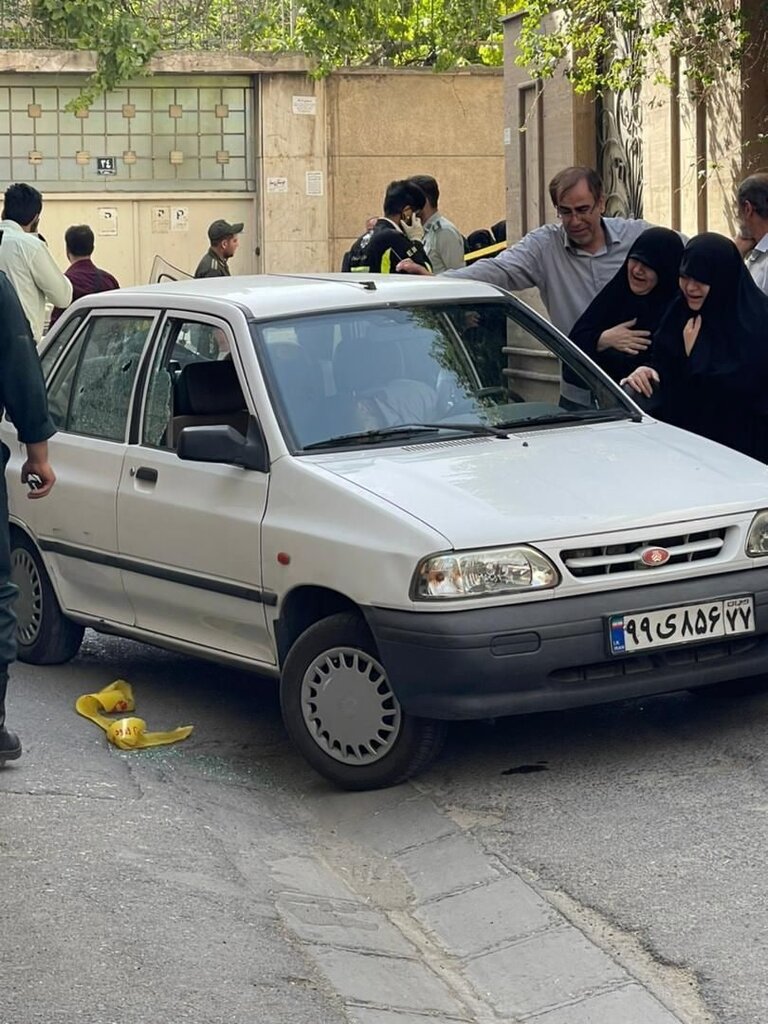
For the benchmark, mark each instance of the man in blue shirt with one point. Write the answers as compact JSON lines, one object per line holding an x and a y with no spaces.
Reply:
{"x":568,"y":262}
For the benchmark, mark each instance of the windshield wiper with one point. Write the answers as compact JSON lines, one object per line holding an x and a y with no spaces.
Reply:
{"x":382,"y":433}
{"x":574,"y":416}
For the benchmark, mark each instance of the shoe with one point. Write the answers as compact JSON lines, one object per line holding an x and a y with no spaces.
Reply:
{"x":10,"y":745}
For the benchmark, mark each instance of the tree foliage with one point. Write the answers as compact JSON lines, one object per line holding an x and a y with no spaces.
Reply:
{"x":576,"y":37}
{"x":126,"y":34}
{"x":615,"y":44}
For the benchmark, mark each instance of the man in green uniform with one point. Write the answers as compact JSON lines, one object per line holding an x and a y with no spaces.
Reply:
{"x":224,"y":243}
{"x":23,"y":398}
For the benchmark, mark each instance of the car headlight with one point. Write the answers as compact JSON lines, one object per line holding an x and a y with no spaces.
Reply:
{"x":483,"y":573}
{"x":757,"y":541}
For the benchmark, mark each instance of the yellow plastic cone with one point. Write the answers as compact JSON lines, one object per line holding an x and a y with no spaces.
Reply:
{"x":126,"y":733}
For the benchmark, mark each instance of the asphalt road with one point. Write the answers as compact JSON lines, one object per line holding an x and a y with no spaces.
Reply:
{"x":136,"y":885}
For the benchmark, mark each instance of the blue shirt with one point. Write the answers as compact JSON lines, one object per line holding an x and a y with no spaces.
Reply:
{"x":567,"y":277}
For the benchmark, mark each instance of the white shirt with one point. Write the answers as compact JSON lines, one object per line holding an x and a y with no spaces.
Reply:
{"x":29,"y":266}
{"x":757,"y":264}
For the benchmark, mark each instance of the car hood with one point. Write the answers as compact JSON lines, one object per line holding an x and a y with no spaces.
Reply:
{"x":558,"y":482}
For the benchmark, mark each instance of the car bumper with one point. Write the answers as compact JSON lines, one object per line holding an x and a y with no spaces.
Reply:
{"x":551,"y":655}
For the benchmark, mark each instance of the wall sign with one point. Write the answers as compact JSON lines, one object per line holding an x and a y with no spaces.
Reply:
{"x":106,"y":165}
{"x":161,"y":220}
{"x":179,"y":218}
{"x":314,"y":183}
{"x":304,"y":105}
{"x":106,"y":220}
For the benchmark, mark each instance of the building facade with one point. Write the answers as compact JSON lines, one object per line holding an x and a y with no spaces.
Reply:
{"x":300,"y":161}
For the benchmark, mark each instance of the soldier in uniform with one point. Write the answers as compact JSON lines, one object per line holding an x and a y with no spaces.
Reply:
{"x":224,"y":243}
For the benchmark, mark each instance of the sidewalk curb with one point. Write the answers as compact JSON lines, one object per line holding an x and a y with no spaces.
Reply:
{"x":473,"y":941}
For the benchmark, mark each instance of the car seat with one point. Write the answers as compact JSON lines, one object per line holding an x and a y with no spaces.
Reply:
{"x":209,"y":394}
{"x":372,"y":368}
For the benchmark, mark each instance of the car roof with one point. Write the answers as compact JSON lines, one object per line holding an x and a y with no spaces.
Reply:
{"x":265,"y":296}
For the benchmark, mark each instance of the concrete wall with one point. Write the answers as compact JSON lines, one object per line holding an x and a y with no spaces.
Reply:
{"x":321,"y":151}
{"x":385,"y":124}
{"x":293,"y":176}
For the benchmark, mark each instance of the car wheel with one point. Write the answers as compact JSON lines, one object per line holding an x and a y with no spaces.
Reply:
{"x":43,"y":635}
{"x":340,"y":711}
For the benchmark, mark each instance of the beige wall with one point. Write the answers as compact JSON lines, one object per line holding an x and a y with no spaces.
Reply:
{"x":325,"y":151}
{"x":384,"y":125}
{"x":294,"y":143}
{"x":128,"y":241}
{"x":692,"y":160}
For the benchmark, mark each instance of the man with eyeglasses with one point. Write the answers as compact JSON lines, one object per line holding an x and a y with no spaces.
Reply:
{"x":569,"y":262}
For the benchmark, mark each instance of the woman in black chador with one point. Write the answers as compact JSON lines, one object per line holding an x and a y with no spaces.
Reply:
{"x":709,"y":359}
{"x":615,"y":329}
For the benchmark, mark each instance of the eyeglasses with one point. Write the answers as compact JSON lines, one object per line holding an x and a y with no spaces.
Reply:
{"x":565,"y":212}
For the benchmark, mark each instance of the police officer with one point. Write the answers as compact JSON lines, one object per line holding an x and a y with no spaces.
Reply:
{"x":224,"y":243}
{"x":392,"y":239}
{"x":23,"y":398}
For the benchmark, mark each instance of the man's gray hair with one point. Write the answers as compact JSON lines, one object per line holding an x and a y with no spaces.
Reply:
{"x":754,"y":190}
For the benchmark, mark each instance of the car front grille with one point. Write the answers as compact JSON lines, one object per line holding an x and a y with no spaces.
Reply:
{"x":608,"y":559}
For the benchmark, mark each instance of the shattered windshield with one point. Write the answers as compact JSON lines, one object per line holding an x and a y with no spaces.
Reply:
{"x":347,"y":378}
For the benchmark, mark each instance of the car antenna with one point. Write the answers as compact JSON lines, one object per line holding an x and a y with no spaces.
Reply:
{"x":370,"y":286}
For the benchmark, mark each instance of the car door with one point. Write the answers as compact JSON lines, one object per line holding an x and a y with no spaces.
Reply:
{"x":90,"y":389}
{"x":189,"y":533}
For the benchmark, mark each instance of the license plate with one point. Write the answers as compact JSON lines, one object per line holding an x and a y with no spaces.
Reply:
{"x":686,"y":624}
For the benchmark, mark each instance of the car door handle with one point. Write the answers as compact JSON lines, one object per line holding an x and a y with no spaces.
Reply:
{"x":146,"y":473}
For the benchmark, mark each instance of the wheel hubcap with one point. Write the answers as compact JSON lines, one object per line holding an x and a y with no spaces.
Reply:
{"x":348,"y":706}
{"x":29,"y":604}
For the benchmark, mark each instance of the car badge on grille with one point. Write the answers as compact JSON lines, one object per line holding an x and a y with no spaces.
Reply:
{"x":654,"y":556}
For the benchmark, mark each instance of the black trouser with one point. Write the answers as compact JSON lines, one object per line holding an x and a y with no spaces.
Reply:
{"x":8,"y":590}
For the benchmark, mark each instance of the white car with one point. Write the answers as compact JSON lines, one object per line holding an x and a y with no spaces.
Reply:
{"x":372,"y":488}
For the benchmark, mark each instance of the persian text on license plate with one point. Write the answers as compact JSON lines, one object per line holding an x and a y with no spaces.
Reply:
{"x":688,"y":623}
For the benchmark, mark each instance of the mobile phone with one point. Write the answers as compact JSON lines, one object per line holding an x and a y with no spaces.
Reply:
{"x":34,"y":483}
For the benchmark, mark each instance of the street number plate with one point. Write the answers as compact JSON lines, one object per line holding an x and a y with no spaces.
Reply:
{"x":686,"y":624}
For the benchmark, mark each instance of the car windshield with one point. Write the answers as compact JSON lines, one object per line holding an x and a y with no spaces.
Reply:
{"x":366,"y":377}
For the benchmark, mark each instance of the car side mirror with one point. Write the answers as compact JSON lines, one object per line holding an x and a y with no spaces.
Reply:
{"x":224,"y":444}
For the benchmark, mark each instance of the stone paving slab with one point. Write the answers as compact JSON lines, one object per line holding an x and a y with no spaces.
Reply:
{"x":385,"y":981}
{"x":543,"y":972}
{"x":355,"y":927}
{"x":487,"y":916}
{"x":333,"y":806}
{"x":446,"y":865}
{"x":630,"y":1005}
{"x":309,"y":876}
{"x":368,"y":1015}
{"x":396,"y":828}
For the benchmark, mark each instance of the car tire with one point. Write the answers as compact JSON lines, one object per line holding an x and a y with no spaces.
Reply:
{"x":342,"y":715}
{"x":44,"y":635}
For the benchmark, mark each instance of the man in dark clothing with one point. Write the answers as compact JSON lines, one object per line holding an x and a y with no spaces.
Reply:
{"x":23,"y":398}
{"x":85,"y":276}
{"x":353,"y":254}
{"x":390,"y":241}
{"x":224,"y":243}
